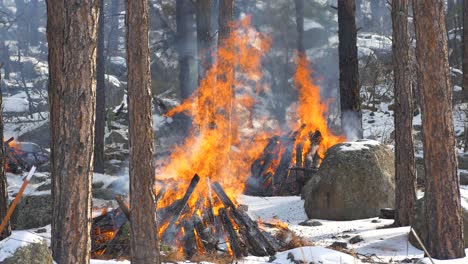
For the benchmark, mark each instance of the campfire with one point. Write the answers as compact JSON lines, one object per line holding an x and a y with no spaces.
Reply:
{"x":197,"y":187}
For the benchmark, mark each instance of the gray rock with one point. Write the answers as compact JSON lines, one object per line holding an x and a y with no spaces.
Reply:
{"x":115,"y":91}
{"x":420,"y":227}
{"x":45,"y":187}
{"x":356,"y":239}
{"x":35,"y":253}
{"x":44,"y":167}
{"x":97,"y":185}
{"x":39,"y":135}
{"x":104,"y":194}
{"x":32,"y":211}
{"x":338,"y":245}
{"x":115,"y":137}
{"x":352,"y":184}
{"x":463,"y":161}
{"x":310,"y":222}
{"x":464,"y":178}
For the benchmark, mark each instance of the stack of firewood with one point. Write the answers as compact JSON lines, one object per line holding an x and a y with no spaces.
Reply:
{"x":218,"y":225}
{"x":275,"y":173}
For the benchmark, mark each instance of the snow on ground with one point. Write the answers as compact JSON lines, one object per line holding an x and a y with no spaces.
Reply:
{"x":15,"y":105}
{"x":387,"y":243}
{"x":22,"y":238}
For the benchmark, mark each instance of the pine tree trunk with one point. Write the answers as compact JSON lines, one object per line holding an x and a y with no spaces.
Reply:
{"x":203,"y":14}
{"x":465,"y":64}
{"x":114,"y":33}
{"x":3,"y":182}
{"x":351,"y":116}
{"x":72,"y":37}
{"x":465,"y":50}
{"x":405,"y":170}
{"x":100,"y":96}
{"x":442,"y":198}
{"x":144,"y":236}
{"x":300,"y":26}
{"x":186,"y":58}
{"x":225,"y":24}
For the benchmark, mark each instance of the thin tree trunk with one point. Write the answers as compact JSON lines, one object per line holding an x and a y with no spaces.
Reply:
{"x":351,"y":116}
{"x":184,"y":29}
{"x":405,"y":168}
{"x":442,"y":198}
{"x":465,"y":49}
{"x":100,"y":97}
{"x":300,"y":26}
{"x":225,"y":24}
{"x":203,"y":14}
{"x":465,"y":64}
{"x":114,"y":33}
{"x":3,"y":182}
{"x":72,"y":37}
{"x":144,"y":235}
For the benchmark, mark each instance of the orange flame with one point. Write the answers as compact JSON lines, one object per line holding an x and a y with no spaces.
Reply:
{"x":219,"y":147}
{"x":310,"y":110}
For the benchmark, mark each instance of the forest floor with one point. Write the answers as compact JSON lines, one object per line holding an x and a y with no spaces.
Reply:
{"x":379,"y":244}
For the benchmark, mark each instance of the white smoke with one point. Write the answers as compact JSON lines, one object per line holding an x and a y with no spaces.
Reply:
{"x":351,"y":122}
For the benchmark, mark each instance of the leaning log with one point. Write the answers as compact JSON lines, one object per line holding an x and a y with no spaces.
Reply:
{"x":190,"y":242}
{"x":231,"y":234}
{"x":254,"y":235}
{"x":123,"y":205}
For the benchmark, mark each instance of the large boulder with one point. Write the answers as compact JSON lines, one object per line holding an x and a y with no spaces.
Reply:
{"x":34,"y":253}
{"x":32,"y":211}
{"x":355,"y":181}
{"x":420,"y":227}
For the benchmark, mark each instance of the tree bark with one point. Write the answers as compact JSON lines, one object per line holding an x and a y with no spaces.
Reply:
{"x":225,"y":26}
{"x":184,"y":30}
{"x":114,"y":33}
{"x":144,"y":236}
{"x":100,"y":97}
{"x":465,"y":63}
{"x":442,"y":198}
{"x":465,"y":50}
{"x":351,"y":116}
{"x":225,"y":19}
{"x":405,"y":168}
{"x":72,"y":37}
{"x":203,"y":14}
{"x":3,"y":182}
{"x":300,"y":26}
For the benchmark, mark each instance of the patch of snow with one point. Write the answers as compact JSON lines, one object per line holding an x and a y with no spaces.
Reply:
{"x":112,"y":80}
{"x":118,"y":60}
{"x":311,"y":24}
{"x":449,"y":261}
{"x":310,"y":255}
{"x":18,"y":239}
{"x":358,"y":145}
{"x":457,"y":88}
{"x":15,"y":105}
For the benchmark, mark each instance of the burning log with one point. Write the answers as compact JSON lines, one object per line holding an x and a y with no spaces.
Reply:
{"x":231,"y":234}
{"x":210,"y":243}
{"x":312,"y":157}
{"x":261,"y":165}
{"x":258,"y":242}
{"x":299,"y":155}
{"x":190,"y":241}
{"x":123,"y":205}
{"x":179,"y":208}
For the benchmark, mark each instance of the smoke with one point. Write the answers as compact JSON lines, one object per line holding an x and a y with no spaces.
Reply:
{"x":352,"y":125}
